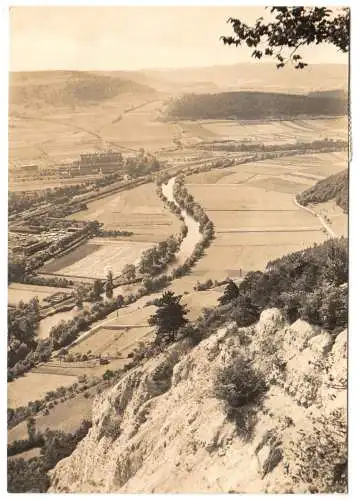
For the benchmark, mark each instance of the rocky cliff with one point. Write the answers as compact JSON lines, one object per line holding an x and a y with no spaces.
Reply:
{"x":163,"y":429}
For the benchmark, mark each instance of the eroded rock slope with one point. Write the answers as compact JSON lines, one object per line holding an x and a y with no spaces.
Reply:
{"x":162,"y":429}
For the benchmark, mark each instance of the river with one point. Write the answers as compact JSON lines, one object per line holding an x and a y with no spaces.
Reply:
{"x":187,"y":246}
{"x":193,"y":236}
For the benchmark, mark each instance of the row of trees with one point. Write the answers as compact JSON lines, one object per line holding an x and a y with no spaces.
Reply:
{"x":186,"y":201}
{"x":155,"y":259}
{"x":113,"y":233}
{"x":66,"y":332}
{"x":319,"y":145}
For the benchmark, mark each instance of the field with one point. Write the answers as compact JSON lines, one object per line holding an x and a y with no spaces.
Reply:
{"x":138,"y":210}
{"x":65,"y":416}
{"x":26,"y":455}
{"x":113,"y":341}
{"x":20,"y":291}
{"x":93,"y":261}
{"x":30,"y":185}
{"x":58,"y":135}
{"x":47,"y":323}
{"x":275,"y":132}
{"x":254,"y":214}
{"x":34,"y":386}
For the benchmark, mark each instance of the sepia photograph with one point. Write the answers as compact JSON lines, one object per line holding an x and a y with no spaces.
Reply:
{"x":177,"y":249}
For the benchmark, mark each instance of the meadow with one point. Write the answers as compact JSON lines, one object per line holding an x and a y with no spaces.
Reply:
{"x":94,"y":261}
{"x":24,"y":292}
{"x":138,"y":210}
{"x":34,"y":386}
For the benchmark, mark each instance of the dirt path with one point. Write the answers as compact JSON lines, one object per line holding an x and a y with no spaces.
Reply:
{"x":322,"y":222}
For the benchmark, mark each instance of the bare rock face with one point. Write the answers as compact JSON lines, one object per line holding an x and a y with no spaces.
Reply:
{"x":161,"y":428}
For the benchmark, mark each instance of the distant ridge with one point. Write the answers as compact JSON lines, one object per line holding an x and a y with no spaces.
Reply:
{"x":218,"y":78}
{"x":68,"y":88}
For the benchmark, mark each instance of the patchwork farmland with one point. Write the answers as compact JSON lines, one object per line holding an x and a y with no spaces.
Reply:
{"x":252,"y":207}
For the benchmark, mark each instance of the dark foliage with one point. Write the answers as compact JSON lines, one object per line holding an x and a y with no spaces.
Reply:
{"x":255,"y":106}
{"x":241,"y":387}
{"x":23,"y":321}
{"x":113,"y":233}
{"x":309,"y":284}
{"x":31,"y":475}
{"x":334,"y":187}
{"x":292,"y":28}
{"x":169,"y":316}
{"x":230,"y":293}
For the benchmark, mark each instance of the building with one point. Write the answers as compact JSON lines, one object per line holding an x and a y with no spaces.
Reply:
{"x":98,"y":163}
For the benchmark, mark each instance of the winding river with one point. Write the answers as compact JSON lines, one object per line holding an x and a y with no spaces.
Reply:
{"x":193,"y":236}
{"x":186,"y":249}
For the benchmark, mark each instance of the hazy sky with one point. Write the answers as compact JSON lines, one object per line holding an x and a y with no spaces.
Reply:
{"x":129,"y":38}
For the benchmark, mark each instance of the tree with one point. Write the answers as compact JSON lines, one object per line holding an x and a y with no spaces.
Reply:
{"x":245,"y":312}
{"x":292,"y":28}
{"x":16,"y":270}
{"x":129,"y":272}
{"x":169,"y":317}
{"x":97,"y":289}
{"x":109,"y":286}
{"x":80,"y":294}
{"x":31,"y":428}
{"x":230,"y":293}
{"x":109,"y":374}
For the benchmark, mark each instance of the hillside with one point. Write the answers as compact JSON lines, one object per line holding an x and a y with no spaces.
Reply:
{"x":335,"y":187}
{"x":69,"y":88}
{"x":255,"y":106}
{"x":246,"y":403}
{"x":163,"y":428}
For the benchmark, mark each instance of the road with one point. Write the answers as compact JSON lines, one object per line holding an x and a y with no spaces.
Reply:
{"x":322,"y":222}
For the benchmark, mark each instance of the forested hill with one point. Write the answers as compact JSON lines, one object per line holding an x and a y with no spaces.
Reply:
{"x":69,"y":88}
{"x":333,"y":187}
{"x":257,"y":105}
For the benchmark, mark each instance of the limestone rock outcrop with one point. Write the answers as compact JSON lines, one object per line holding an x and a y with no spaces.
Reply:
{"x":161,"y":428}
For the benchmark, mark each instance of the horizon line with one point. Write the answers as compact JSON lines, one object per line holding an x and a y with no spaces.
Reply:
{"x":168,"y":68}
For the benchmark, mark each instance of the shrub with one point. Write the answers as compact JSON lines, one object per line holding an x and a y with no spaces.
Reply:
{"x":110,"y":429}
{"x":108,"y":375}
{"x":241,"y":387}
{"x":318,"y":458}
